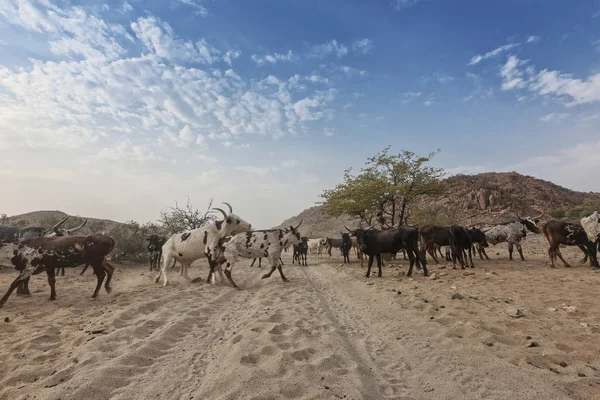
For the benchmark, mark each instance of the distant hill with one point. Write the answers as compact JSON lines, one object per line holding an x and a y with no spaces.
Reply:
{"x":468,"y":199}
{"x":48,"y":218}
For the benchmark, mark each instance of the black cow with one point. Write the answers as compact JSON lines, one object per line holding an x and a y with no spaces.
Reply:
{"x":374,"y":242}
{"x":155,"y":244}
{"x":346,"y":247}
{"x":460,"y":242}
{"x":301,"y":251}
{"x":333,"y":243}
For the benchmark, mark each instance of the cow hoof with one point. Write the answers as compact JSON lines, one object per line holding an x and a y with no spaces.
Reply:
{"x":23,"y":295}
{"x":286,"y":280}
{"x":367,"y":276}
{"x":52,"y":298}
{"x":264,"y":276}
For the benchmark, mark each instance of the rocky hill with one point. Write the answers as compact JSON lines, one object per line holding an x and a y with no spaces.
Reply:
{"x":469,"y":199}
{"x":48,"y":218}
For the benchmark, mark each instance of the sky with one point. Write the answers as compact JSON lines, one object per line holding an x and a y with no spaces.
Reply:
{"x":117,"y":109}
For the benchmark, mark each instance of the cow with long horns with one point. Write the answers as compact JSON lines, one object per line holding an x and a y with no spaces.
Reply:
{"x":254,"y":244}
{"x":191,"y":245}
{"x":57,"y":230}
{"x":37,"y":255}
{"x":513,"y":233}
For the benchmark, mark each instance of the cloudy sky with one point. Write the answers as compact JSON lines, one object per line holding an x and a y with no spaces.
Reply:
{"x":118,"y":108}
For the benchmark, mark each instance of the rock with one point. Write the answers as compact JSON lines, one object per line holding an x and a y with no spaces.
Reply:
{"x":474,"y":297}
{"x":514,"y":312}
{"x":370,"y":283}
{"x":581,"y":374}
{"x":563,"y":364}
{"x":585,"y":324}
{"x":453,"y":287}
{"x":457,"y":296}
{"x":570,"y":309}
{"x":468,"y":273}
{"x":6,"y":319}
{"x":533,"y":344}
{"x":425,"y":301}
{"x":528,"y":337}
{"x":552,"y":309}
{"x":488,"y":343}
{"x":433,"y":276}
{"x":443,"y":273}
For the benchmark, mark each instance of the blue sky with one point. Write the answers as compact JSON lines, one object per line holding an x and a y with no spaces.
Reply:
{"x":116,"y":109}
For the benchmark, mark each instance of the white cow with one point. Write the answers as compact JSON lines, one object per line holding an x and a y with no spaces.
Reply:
{"x":317,"y":247}
{"x":591,"y":226}
{"x":512,"y":233}
{"x":254,"y":244}
{"x":194,"y":244}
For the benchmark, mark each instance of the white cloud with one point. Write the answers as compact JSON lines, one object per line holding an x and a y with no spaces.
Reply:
{"x":71,"y":31}
{"x":408,"y":97}
{"x":352,"y":72}
{"x":289,"y":163}
{"x":551,"y":83}
{"x":158,"y":38}
{"x":326,"y":49}
{"x":428,"y":103}
{"x":399,"y":5}
{"x":438,"y":76}
{"x":553,"y":117}
{"x":511,"y":75}
{"x":274,"y":58}
{"x":126,"y":7}
{"x":126,"y":151}
{"x":491,"y":54}
{"x":533,"y":39}
{"x":479,"y":92}
{"x":231,"y":55}
{"x":329,"y":132}
{"x":200,"y":9}
{"x":363,"y":46}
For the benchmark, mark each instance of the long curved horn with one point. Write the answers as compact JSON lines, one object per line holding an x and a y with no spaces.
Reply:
{"x":540,"y":216}
{"x":79,"y":227}
{"x":55,"y":227}
{"x":349,"y":230}
{"x":221,"y":211}
{"x":297,"y":226}
{"x":229,"y":206}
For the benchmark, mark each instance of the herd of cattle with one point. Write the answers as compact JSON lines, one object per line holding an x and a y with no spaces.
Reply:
{"x":225,"y":241}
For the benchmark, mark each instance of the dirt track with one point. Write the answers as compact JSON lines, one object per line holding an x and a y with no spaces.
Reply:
{"x":329,"y":333}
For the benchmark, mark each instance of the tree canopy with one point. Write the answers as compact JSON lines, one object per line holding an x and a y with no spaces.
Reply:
{"x":384,"y":189}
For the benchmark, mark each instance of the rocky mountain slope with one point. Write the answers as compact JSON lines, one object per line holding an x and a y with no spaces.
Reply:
{"x":483,"y":198}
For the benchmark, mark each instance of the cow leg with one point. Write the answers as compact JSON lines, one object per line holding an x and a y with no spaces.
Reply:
{"x":12,"y":287}
{"x":100,"y":274}
{"x":110,"y":270}
{"x":23,"y":288}
{"x":51,"y":282}
{"x":151,"y":261}
{"x":370,"y":264}
{"x":591,"y":248}
{"x":411,"y":257}
{"x":276,"y":261}
{"x":510,"y":251}
{"x":431,"y":251}
{"x":379,"y":274}
{"x":520,"y":250}
{"x":552,"y":256}
{"x":84,"y":269}
{"x":585,"y":254}
{"x":471,"y":257}
{"x":228,"y":266}
{"x":163,"y":269}
{"x":482,"y":249}
{"x":562,"y":259}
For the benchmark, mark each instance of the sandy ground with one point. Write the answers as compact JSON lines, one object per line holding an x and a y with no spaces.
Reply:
{"x":327,"y":334}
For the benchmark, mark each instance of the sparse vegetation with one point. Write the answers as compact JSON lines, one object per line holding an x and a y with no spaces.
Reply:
{"x":385,"y":188}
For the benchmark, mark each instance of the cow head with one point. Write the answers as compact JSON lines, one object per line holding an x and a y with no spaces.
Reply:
{"x":155,"y":242}
{"x":231,"y":223}
{"x":531,"y":222}
{"x":478,"y":236}
{"x":57,"y":231}
{"x":361,"y":237}
{"x":292,"y":235}
{"x":346,"y":240}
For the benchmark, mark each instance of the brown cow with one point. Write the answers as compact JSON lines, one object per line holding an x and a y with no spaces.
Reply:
{"x":37,"y":255}
{"x":568,"y":234}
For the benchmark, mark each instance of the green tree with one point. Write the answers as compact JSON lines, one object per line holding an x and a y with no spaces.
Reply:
{"x":384,"y":188}
{"x":3,"y":219}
